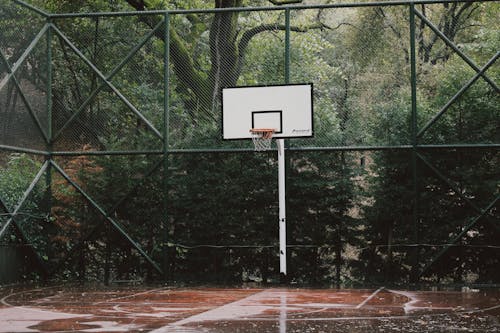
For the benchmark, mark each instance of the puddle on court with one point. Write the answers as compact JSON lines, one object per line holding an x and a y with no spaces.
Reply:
{"x":165,"y":309}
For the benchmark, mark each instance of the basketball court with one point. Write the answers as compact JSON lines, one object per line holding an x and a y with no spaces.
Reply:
{"x":64,"y":308}
{"x":108,"y":116}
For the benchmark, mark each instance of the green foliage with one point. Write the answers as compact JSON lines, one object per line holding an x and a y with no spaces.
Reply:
{"x":15,"y":178}
{"x":16,"y":175}
{"x":213,"y":216}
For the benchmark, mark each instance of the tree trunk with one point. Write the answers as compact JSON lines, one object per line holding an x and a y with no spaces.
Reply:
{"x":223,"y":50}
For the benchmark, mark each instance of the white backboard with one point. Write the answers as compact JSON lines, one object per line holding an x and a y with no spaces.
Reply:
{"x":286,"y":108}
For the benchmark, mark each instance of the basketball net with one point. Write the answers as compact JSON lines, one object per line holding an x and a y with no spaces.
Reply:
{"x":262,"y":138}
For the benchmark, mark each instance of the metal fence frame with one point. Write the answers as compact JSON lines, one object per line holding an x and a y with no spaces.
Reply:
{"x":415,"y":147}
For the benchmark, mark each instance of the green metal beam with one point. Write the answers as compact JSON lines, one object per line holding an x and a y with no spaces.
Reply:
{"x":106,"y":152}
{"x":49,"y":87}
{"x":23,"y":98}
{"x":22,"y":235}
{"x":456,"y":49}
{"x":104,"y":214}
{"x":165,"y":151}
{"x":253,"y":9}
{"x":106,"y":81}
{"x":23,"y":150}
{"x":287,"y":46}
{"x":166,"y":127}
{"x":136,"y":186}
{"x":25,"y":239}
{"x":250,"y":150}
{"x":3,"y":206}
{"x":75,"y":248}
{"x":351,"y":148}
{"x":482,"y":213}
{"x":23,"y":198}
{"x":463,"y":146}
{"x":284,"y":2}
{"x":454,"y":187}
{"x":25,"y":55}
{"x":48,"y":176}
{"x":98,"y":227}
{"x":414,"y":142}
{"x":31,"y":7}
{"x":459,"y":236}
{"x":458,"y":94}
{"x":413,"y":78}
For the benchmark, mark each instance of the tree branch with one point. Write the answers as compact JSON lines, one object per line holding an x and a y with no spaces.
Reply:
{"x":249,"y":34}
{"x":394,"y":29}
{"x":193,"y":80}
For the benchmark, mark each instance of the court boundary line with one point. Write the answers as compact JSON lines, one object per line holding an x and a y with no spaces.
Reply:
{"x":3,"y":300}
{"x":257,"y":295}
{"x":360,"y":305}
{"x":195,"y":317}
{"x":134,"y":295}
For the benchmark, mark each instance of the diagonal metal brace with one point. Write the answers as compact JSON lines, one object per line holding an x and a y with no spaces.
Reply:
{"x":23,"y":97}
{"x":31,"y":7}
{"x":472,"y":223}
{"x":458,"y":237}
{"x":23,"y":198}
{"x":106,"y":81}
{"x":25,"y":55}
{"x":458,"y":94}
{"x":115,"y":224}
{"x":17,"y":227}
{"x":455,"y":48}
{"x":98,"y":227}
{"x":455,"y":189}
{"x":3,"y":206}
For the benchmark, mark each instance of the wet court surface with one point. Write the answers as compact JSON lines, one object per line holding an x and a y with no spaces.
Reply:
{"x":280,"y":310}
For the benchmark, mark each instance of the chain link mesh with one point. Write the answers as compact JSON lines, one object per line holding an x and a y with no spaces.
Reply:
{"x":23,"y":85}
{"x":447,"y":45}
{"x":125,"y":111}
{"x":362,"y":208}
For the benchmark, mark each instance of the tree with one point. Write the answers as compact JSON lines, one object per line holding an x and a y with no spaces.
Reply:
{"x":359,"y":62}
{"x":227,"y":43}
{"x":443,"y":201}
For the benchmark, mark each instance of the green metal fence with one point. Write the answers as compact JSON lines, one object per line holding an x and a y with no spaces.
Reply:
{"x":113,"y":166}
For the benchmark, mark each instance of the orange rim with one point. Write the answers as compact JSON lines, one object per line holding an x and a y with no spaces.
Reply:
{"x":265,"y":133}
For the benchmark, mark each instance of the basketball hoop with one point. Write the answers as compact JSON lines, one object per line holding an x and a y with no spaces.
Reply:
{"x":262,"y":138}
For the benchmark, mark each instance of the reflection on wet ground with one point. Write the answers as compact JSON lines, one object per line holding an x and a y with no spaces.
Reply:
{"x":221,"y":310}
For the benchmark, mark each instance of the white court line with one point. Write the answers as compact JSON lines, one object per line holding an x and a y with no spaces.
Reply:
{"x":360,"y":305}
{"x":133,"y":295}
{"x":20,"y":318}
{"x":410,"y":305}
{"x":27,"y":307}
{"x":482,"y":310}
{"x":234,"y":310}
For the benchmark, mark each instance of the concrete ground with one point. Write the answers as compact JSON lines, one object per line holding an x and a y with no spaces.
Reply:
{"x":66,"y":308}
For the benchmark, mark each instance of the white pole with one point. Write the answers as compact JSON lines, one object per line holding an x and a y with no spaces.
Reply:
{"x":282,"y":205}
{"x":283,"y":312}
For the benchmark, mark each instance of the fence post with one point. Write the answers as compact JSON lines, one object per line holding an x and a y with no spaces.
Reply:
{"x":414,"y":143}
{"x":48,"y":158}
{"x":287,"y":45}
{"x":283,"y":145}
{"x":166,"y":61}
